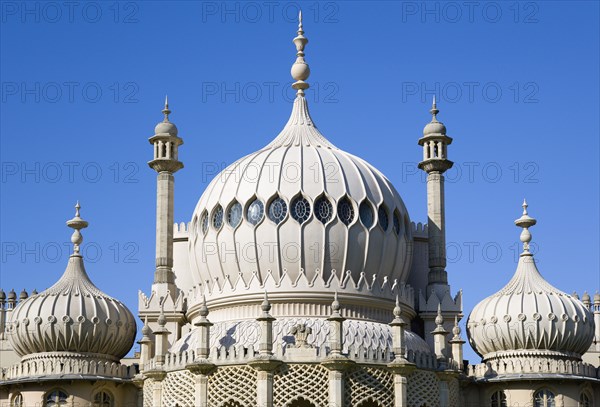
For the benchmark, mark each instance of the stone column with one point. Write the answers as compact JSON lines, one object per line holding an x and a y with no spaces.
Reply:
{"x":157,"y":389}
{"x":265,"y":363}
{"x":162,"y":340}
{"x":2,"y":315}
{"x":400,"y":366}
{"x":439,"y":340}
{"x":202,"y":366}
{"x":336,"y":362}
{"x":597,"y":319}
{"x":145,"y":345}
{"x":457,"y":346}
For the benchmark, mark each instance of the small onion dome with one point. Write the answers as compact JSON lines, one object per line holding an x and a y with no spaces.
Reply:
{"x":23,"y":295}
{"x":73,"y":315}
{"x":166,"y":126}
{"x":585,"y":298}
{"x":12,"y":295}
{"x":597,"y":298}
{"x":2,"y":295}
{"x":434,"y":127}
{"x":529,"y":317}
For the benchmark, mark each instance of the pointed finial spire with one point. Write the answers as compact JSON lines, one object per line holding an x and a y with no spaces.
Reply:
{"x":77,"y":224}
{"x":335,"y":306}
{"x":456,"y":329}
{"x":266,"y":305}
{"x":203,"y":307}
{"x":434,"y":111}
{"x":439,"y":319}
{"x":146,"y":331}
{"x":166,"y":110}
{"x":397,"y":309}
{"x":525,"y":222}
{"x":162,"y":319}
{"x":300,"y":69}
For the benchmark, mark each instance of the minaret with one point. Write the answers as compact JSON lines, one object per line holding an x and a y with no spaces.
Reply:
{"x":435,"y":163}
{"x":165,"y":163}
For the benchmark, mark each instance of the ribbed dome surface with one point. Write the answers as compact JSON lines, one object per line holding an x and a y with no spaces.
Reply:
{"x":300,"y":206}
{"x":72,"y":316}
{"x":530,"y":317}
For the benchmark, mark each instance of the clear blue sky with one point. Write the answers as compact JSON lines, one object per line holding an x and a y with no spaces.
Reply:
{"x":82,"y":88}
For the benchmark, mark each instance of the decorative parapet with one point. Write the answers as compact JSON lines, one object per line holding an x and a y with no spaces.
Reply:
{"x":537,"y":366}
{"x":239,"y":355}
{"x":153,"y":303}
{"x":181,"y":231}
{"x":235,"y":288}
{"x":65,"y":366}
{"x":419,"y":231}
{"x":445,"y":302}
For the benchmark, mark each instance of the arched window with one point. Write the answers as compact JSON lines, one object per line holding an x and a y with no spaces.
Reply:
{"x":584,"y":400}
{"x":103,"y":399}
{"x":365,"y":212}
{"x":301,"y":402}
{"x":17,"y":400}
{"x":56,"y":398}
{"x":369,"y":403}
{"x":498,"y":399}
{"x":544,"y":398}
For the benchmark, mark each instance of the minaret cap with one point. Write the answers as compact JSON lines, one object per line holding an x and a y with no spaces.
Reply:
{"x":166,"y":127}
{"x":435,"y":126}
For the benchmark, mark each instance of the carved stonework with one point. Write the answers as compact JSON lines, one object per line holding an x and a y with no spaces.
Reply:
{"x":301,"y":332}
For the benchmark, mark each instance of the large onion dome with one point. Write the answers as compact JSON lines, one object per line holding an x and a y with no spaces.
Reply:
{"x":73,"y":317}
{"x":302,"y":215}
{"x":529,"y":317}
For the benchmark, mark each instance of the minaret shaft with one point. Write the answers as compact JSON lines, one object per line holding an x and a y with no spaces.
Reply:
{"x":436,"y":220}
{"x":165,"y":183}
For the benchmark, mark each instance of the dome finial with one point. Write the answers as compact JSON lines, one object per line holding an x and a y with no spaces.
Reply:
{"x":300,"y":69}
{"x":77,"y":224}
{"x":166,"y":110}
{"x":525,"y":222}
{"x":434,"y":111}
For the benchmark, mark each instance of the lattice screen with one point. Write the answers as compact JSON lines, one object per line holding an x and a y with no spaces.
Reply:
{"x":363,"y":383}
{"x":308,"y":381}
{"x":423,"y":389}
{"x":232,"y":383}
{"x":148,"y":390}
{"x":454,"y":393}
{"x":178,"y":389}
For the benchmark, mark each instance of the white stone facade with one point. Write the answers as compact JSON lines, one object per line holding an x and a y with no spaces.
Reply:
{"x":360,"y":315}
